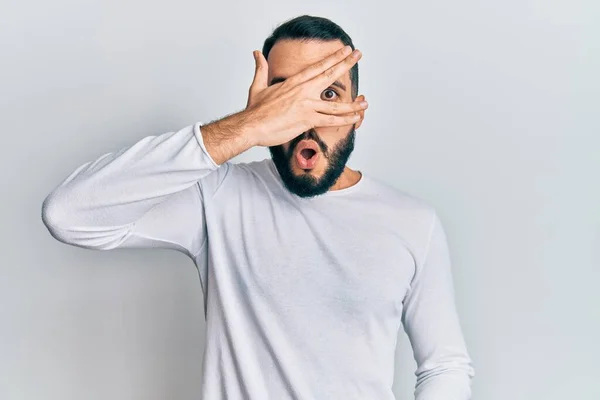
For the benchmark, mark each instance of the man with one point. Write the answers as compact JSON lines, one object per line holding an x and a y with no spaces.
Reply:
{"x":308,"y":267}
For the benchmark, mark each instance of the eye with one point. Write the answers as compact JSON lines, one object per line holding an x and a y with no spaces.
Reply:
{"x":329,"y":96}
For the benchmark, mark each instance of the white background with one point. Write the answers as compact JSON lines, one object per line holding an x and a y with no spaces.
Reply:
{"x":488,"y":110}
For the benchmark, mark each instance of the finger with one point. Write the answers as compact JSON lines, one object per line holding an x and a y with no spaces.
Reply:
{"x":320,"y":66}
{"x":335,"y":120}
{"x":331,"y":74}
{"x":260,"y":73}
{"x":330,"y":107}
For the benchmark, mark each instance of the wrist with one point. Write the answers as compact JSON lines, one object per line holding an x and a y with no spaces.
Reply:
{"x":226,"y":138}
{"x":247,"y":128}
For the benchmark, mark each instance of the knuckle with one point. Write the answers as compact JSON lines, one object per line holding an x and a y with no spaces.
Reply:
{"x":329,"y":73}
{"x":297,"y":92}
{"x":303,"y":103}
{"x":289,"y":85}
{"x":307,"y":91}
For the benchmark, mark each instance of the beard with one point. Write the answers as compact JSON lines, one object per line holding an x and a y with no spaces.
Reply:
{"x":306,"y":185}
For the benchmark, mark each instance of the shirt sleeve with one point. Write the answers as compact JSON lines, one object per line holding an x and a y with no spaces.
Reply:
{"x":444,"y":368}
{"x":145,"y":195}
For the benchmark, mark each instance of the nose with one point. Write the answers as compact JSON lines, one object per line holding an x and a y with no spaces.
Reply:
{"x":312,"y":134}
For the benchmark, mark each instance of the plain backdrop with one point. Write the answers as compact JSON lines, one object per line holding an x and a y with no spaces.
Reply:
{"x":488,"y":110}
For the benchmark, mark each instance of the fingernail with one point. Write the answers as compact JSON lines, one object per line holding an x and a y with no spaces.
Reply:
{"x":347,"y":50}
{"x":356,"y":53}
{"x":364,"y":103}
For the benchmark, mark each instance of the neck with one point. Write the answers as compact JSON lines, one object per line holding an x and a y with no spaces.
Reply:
{"x":348,"y":178}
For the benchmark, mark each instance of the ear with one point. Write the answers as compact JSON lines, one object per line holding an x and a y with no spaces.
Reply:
{"x":361,"y":112}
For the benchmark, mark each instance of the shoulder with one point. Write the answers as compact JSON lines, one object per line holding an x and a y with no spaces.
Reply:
{"x":409,"y":216}
{"x":253,"y":168}
{"x":399,"y":200}
{"x":241,"y":176}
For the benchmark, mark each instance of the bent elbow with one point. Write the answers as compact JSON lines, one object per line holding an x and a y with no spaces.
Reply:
{"x":446,"y":380}
{"x":55,"y":217}
{"x":51,"y":214}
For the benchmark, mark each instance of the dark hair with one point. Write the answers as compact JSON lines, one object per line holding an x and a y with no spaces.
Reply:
{"x":308,"y":27}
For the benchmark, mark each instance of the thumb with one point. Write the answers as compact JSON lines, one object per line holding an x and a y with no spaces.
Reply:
{"x":260,"y":73}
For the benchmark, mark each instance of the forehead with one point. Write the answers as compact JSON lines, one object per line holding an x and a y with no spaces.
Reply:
{"x":288,"y":57}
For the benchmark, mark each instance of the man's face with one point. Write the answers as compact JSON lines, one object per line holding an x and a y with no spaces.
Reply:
{"x":305,"y":172}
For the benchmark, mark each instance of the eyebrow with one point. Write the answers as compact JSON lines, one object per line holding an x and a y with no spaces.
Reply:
{"x":278,"y":79}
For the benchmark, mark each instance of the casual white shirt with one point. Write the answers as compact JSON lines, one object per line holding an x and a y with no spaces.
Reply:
{"x":303,"y":297}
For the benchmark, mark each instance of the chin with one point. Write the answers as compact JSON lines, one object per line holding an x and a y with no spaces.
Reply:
{"x":317,"y":171}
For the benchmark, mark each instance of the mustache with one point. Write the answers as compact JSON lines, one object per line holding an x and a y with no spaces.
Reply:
{"x":312,"y":135}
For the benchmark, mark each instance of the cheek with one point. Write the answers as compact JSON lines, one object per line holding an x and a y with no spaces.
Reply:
{"x":332,"y":136}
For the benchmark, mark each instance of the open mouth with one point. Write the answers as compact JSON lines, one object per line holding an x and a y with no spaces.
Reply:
{"x":307,"y":154}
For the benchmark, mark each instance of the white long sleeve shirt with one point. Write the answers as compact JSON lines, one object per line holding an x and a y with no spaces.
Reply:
{"x":303,"y":298}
